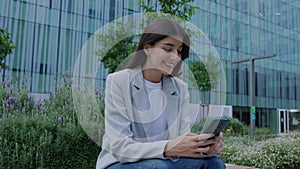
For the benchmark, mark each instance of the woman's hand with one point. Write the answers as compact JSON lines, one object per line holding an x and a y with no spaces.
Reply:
{"x":191,"y":145}
{"x":216,"y":147}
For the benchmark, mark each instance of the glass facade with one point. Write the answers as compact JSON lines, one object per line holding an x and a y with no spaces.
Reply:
{"x":49,"y":34}
{"x":240,"y":29}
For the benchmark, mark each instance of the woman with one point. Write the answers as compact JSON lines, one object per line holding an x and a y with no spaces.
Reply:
{"x":147,"y":122}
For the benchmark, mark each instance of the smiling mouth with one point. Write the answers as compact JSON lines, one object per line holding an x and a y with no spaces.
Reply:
{"x":170,"y":65}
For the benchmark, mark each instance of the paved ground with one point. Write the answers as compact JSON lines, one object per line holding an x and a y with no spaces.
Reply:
{"x":230,"y":166}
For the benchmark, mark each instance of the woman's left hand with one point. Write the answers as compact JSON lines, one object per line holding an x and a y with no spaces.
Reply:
{"x":217,"y":147}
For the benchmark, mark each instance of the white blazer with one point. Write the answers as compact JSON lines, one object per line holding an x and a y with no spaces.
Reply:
{"x":126,"y":132}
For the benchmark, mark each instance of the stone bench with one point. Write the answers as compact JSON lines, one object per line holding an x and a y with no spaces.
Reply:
{"x":231,"y":166}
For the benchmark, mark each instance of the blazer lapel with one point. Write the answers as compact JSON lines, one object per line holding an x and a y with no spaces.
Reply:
{"x":139,"y":93}
{"x":172,"y":105}
{"x":140,"y":104}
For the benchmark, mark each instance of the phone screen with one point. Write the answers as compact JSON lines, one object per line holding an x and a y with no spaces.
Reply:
{"x":216,"y":126}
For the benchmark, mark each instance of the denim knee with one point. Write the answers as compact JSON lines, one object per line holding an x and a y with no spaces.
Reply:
{"x":215,"y":163}
{"x":155,"y":164}
{"x":143,"y":164}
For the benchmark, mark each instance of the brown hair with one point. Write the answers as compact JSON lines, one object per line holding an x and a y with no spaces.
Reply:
{"x":157,"y":30}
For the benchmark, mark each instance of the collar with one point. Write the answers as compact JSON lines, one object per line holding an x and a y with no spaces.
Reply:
{"x":137,"y":80}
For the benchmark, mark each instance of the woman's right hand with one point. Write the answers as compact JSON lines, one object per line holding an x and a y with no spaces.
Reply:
{"x":188,"y":145}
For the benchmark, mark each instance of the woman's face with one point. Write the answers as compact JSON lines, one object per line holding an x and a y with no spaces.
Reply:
{"x":163,"y":55}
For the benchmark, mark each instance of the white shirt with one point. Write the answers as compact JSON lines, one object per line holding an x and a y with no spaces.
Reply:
{"x":157,"y":101}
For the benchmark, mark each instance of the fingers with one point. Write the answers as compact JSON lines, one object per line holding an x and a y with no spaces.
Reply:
{"x":206,"y":143}
{"x":205,"y":136}
{"x":192,"y":145}
{"x":192,"y":134}
{"x":197,"y":137}
{"x":196,"y":140}
{"x":216,"y":148}
{"x":219,"y":149}
{"x":201,"y":150}
{"x":219,"y":137}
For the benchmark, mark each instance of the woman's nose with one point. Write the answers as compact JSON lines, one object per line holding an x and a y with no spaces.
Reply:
{"x":174,"y":54}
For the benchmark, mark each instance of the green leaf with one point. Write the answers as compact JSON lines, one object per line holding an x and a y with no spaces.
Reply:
{"x":6,"y":47}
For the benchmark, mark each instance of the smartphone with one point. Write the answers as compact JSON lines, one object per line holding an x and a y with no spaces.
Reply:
{"x":216,"y":126}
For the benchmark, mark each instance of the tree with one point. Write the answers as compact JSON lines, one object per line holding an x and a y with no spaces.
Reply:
{"x":123,"y":48}
{"x":205,"y":73}
{"x":179,"y":8}
{"x":6,"y":47}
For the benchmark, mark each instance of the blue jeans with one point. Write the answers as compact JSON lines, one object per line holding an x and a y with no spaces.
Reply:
{"x":184,"y":163}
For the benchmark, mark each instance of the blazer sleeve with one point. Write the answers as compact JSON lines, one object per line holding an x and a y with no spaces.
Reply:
{"x":118,"y":138}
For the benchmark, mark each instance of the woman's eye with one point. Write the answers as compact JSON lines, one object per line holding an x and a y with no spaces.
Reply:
{"x":168,"y":50}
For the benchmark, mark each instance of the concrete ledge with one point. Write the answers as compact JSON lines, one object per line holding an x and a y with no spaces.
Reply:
{"x":231,"y":166}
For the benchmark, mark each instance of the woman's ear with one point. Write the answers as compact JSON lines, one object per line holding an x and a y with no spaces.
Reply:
{"x":146,"y":48}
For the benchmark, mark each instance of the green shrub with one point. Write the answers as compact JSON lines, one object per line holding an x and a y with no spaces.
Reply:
{"x":44,"y":134}
{"x":24,"y":140}
{"x":268,"y":154}
{"x":33,"y":142}
{"x":263,"y":134}
{"x":13,"y":100}
{"x":236,"y":128}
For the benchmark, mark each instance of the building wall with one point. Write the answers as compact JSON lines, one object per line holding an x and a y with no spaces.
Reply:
{"x":50,"y":33}
{"x":244,"y":29}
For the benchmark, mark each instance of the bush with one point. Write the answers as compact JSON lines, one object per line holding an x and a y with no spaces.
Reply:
{"x":14,"y":100}
{"x":44,"y":134}
{"x":236,"y":128}
{"x":263,"y":134}
{"x":38,"y":142}
{"x":269,"y":154}
{"x":23,"y":140}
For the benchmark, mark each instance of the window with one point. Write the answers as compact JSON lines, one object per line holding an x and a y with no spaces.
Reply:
{"x":92,"y":13}
{"x":112,"y":9}
{"x":43,"y":68}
